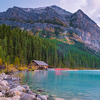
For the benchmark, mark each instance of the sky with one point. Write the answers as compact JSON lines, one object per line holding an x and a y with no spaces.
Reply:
{"x":89,"y":7}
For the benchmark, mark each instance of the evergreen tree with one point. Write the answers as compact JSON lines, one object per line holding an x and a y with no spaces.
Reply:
{"x":17,"y":62}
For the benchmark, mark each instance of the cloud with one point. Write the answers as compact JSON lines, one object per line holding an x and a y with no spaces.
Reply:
{"x":72,"y":5}
{"x":90,"y":7}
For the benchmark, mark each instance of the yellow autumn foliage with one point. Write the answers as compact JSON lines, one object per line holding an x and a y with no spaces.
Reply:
{"x":22,"y":68}
{"x":31,"y":69}
{"x":10,"y":69}
{"x":0,"y":61}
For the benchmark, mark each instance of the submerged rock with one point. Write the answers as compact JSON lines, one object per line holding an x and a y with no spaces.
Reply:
{"x":41,"y":90}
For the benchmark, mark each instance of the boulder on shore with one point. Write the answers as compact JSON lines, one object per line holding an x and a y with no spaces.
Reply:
{"x":16,"y":98}
{"x":26,"y":87}
{"x":1,"y":94}
{"x":43,"y":97}
{"x":4,"y":88}
{"x":12,"y":93}
{"x":26,"y":96}
{"x":19,"y":88}
{"x":4,"y":83}
{"x":3,"y":98}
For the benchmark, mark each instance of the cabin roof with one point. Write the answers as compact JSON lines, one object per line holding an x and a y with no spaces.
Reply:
{"x":40,"y":63}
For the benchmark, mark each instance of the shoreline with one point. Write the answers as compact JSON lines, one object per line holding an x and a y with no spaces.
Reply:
{"x":11,"y":89}
{"x":65,"y":69}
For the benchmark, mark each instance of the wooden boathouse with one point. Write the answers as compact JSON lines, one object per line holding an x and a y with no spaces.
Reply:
{"x":39,"y":64}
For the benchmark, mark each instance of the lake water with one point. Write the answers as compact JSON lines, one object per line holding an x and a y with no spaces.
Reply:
{"x":69,"y":85}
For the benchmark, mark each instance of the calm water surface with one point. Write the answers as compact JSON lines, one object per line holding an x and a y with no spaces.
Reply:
{"x":69,"y":85}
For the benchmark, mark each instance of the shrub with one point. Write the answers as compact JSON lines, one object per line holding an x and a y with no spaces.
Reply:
{"x":22,"y":68}
{"x":31,"y":69}
{"x":0,"y":61}
{"x":17,"y":62}
{"x":10,"y":69}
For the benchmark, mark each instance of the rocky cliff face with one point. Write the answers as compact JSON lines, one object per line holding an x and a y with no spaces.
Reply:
{"x":87,"y":29}
{"x":80,"y":27}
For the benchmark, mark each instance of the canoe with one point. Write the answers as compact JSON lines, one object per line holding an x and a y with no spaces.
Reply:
{"x":61,"y":69}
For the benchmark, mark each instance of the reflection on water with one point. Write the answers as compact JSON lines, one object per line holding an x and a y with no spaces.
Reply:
{"x":70,"y":85}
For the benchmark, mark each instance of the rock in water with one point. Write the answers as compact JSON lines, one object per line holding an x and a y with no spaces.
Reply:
{"x":41,"y":90}
{"x":26,"y":87}
{"x":25,"y":96}
{"x":30,"y":92}
{"x":43,"y":97}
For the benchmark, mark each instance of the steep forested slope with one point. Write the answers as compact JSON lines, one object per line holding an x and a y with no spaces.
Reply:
{"x":17,"y":43}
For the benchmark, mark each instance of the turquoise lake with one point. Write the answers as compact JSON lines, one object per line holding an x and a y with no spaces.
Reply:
{"x":69,"y":85}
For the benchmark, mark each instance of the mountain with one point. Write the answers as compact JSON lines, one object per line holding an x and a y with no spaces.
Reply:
{"x":55,"y":22}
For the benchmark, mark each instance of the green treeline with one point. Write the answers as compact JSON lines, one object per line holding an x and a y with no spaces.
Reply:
{"x":21,"y":46}
{"x":74,"y":57}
